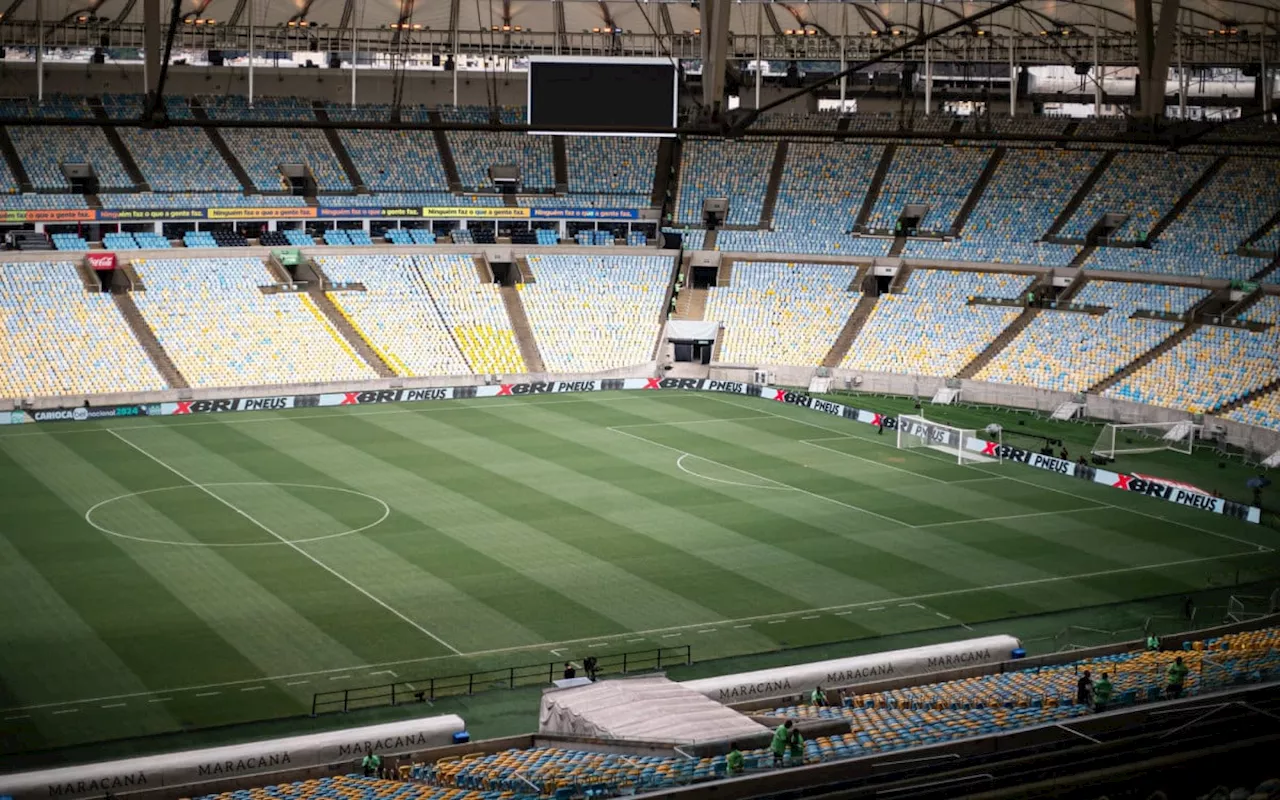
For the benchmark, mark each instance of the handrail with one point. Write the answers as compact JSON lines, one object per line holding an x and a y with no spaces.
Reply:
{"x":424,"y":689}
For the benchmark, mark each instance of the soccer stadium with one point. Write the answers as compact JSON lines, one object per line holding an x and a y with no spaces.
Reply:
{"x":567,"y":399}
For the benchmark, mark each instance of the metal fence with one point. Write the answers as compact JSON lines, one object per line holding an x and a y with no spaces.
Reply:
{"x":420,"y":690}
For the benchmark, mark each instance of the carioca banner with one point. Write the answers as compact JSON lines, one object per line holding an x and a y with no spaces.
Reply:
{"x":1168,"y":491}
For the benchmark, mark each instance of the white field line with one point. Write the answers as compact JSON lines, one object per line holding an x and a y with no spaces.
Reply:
{"x":780,"y":484}
{"x":680,"y":465}
{"x":288,"y":543}
{"x":689,"y":422}
{"x":670,"y":632}
{"x":275,"y":416}
{"x":1259,"y":548}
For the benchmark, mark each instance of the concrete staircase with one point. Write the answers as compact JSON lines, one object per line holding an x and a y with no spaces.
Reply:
{"x":1083,"y":256}
{"x":348,"y":331}
{"x":852,"y":327}
{"x":975,"y":194}
{"x":899,"y":282}
{"x":220,"y":144}
{"x":11,"y":158}
{"x":899,"y":244}
{"x":999,"y":343}
{"x":1146,"y":358}
{"x":775,"y":180}
{"x":1073,"y":205}
{"x":1187,"y":197}
{"x":340,"y":150}
{"x":483,"y":271}
{"x":1266,"y":388}
{"x":446,"y":154}
{"x":1269,"y":271}
{"x":560,"y":164}
{"x":524,"y":271}
{"x":665,"y":172}
{"x":522,"y":329}
{"x":147,"y":338}
{"x":873,"y":191}
{"x":691,"y":304}
{"x":88,"y":278}
{"x":118,"y":147}
{"x":724,"y":272}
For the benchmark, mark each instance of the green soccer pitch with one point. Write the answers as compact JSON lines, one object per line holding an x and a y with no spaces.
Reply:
{"x":158,"y":575}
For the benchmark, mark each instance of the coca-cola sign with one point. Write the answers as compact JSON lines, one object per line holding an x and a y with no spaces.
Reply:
{"x":101,"y":261}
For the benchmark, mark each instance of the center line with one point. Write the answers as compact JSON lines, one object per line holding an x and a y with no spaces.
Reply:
{"x":288,"y":543}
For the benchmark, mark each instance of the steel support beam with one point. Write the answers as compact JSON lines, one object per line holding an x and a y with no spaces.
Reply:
{"x":152,"y":49}
{"x":1155,"y":51}
{"x":715,"y":53}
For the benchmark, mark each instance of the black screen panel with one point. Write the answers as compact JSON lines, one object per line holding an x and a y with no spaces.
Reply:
{"x":621,"y":94}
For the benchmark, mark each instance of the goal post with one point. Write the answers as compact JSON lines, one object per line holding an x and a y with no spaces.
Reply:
{"x":916,"y":432}
{"x":1132,"y":438}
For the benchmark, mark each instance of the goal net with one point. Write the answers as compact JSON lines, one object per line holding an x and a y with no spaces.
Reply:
{"x":917,"y":432}
{"x":1146,"y":437}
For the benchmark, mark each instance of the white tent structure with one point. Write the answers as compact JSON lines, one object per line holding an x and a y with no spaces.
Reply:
{"x":652,"y":709}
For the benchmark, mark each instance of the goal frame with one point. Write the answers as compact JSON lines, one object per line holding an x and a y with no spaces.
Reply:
{"x":1106,"y":447}
{"x":911,"y":426}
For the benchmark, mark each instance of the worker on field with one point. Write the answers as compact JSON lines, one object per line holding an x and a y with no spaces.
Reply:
{"x":1177,"y":677}
{"x":570,"y":670}
{"x":735,"y":763}
{"x":819,"y":697}
{"x":778,"y":746}
{"x":1101,"y":693}
{"x":366,"y":764}
{"x":1153,"y":642}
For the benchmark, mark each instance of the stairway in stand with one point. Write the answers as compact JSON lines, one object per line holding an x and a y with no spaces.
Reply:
{"x":873,"y":191}
{"x":117,"y":145}
{"x":775,"y":180}
{"x":14,"y":162}
{"x":325,"y":305}
{"x":522,"y":329}
{"x":1266,"y":388}
{"x":147,"y":338}
{"x":998,"y":344}
{"x":1069,"y":210}
{"x":220,"y":144}
{"x":339,"y":149}
{"x":1146,"y":358}
{"x":691,"y":304}
{"x":852,"y":327}
{"x":446,"y":154}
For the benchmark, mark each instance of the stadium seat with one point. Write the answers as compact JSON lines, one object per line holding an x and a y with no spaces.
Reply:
{"x":940,"y":177}
{"x":426,"y":314}
{"x":596,"y":312}
{"x":775,"y":313}
{"x":738,"y":170}
{"x":931,"y":329}
{"x":57,"y":338}
{"x":1143,"y":185}
{"x":219,"y":328}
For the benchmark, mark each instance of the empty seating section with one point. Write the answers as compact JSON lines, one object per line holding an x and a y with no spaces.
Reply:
{"x":426,"y":314}
{"x":56,"y":338}
{"x":776,"y":313}
{"x":356,"y":787}
{"x":737,"y":170}
{"x":197,"y":200}
{"x":1143,"y":185}
{"x":202,"y":239}
{"x":930,"y":329}
{"x":584,"y":201}
{"x":22,"y":202}
{"x":396,"y":160}
{"x":596,"y":312}
{"x":475,"y":151}
{"x":178,"y":160}
{"x":939,"y":177}
{"x":563,"y":772}
{"x":134,"y":241}
{"x":1263,"y":411}
{"x":1025,"y":195}
{"x":1212,"y":366}
{"x":1267,"y":309}
{"x":261,"y":151}
{"x":44,"y":149}
{"x":409,"y":199}
{"x":69,"y":241}
{"x":299,"y":238}
{"x":1072,"y":351}
{"x":219,"y":328}
{"x":612,"y":165}
{"x":822,"y":189}
{"x":1203,"y":239}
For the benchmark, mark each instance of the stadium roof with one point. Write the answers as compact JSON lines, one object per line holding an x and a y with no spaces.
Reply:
{"x":854,"y":18}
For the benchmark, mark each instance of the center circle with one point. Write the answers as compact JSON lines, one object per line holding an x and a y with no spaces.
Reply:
{"x":96,"y":514}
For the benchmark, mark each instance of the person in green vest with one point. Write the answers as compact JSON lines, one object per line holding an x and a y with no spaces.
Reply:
{"x":1153,"y":643}
{"x":735,"y":764}
{"x":797,"y":746}
{"x":367,"y":764}
{"x":819,"y":697}
{"x":1177,"y":677}
{"x":779,"y":744}
{"x":1102,"y":689}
